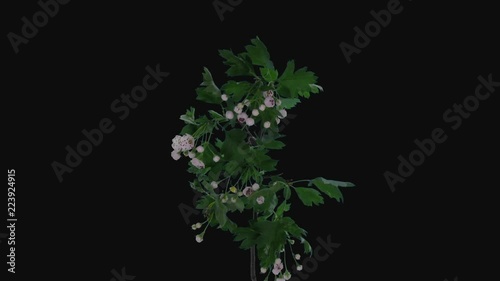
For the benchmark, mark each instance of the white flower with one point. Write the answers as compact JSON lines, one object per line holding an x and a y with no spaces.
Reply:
{"x":175,"y":155}
{"x":268,"y":93}
{"x":224,"y":97}
{"x":287,"y":275}
{"x":224,"y":199}
{"x":200,"y":149}
{"x":278,"y":102}
{"x":248,"y":191}
{"x":250,"y":121}
{"x":260,"y":200}
{"x":183,"y":143}
{"x":214,"y":184}
{"x":267,"y":124}
{"x":240,"y":105}
{"x":216,"y":158}
{"x":198,"y":225}
{"x":255,"y":112}
{"x":246,"y":102}
{"x":280,"y":279}
{"x":283,"y":113}
{"x":255,"y":186}
{"x":176,"y":143}
{"x":197,"y":163}
{"x":193,"y":227}
{"x":269,"y":102}
{"x":191,"y":154}
{"x":242,"y":117}
{"x":233,"y":199}
{"x":276,"y":261}
{"x":277,"y":120}
{"x":278,"y":266}
{"x":229,"y":115}
{"x":263,"y":270}
{"x":299,"y":267}
{"x":262,"y":107}
{"x":297,"y":256}
{"x":199,"y":238}
{"x":239,"y":193}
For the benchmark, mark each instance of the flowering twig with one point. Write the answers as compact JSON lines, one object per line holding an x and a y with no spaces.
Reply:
{"x":228,"y":152}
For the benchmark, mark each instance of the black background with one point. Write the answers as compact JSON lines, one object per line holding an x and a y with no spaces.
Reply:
{"x":119,"y":207}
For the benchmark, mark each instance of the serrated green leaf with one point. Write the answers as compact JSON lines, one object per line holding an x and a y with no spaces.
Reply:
{"x":247,"y":236}
{"x":291,"y":227}
{"x":189,"y":118}
{"x":270,"y":75}
{"x":282,"y":208}
{"x":292,"y":84}
{"x":331,"y":187}
{"x":236,"y":90}
{"x":309,"y":196}
{"x":237,"y":65}
{"x":288,"y":103}
{"x":258,"y":54}
{"x":217,"y":116}
{"x":220,"y":213}
{"x":208,"y":91}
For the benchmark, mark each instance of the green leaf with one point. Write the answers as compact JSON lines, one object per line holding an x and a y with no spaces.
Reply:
{"x":309,"y":196}
{"x":236,"y":90}
{"x":258,"y":54}
{"x":237,"y":65}
{"x":291,"y":227}
{"x":217,"y":116}
{"x":270,"y":75}
{"x":247,"y":236}
{"x":269,"y":200}
{"x":307,"y":246}
{"x":294,"y":84}
{"x":288,"y":103}
{"x":208,"y":92}
{"x":189,"y":116}
{"x":188,"y":129}
{"x":204,"y":202}
{"x":316,"y":88}
{"x":273,"y":144}
{"x":287,"y":192}
{"x":331,"y":187}
{"x":234,"y":147}
{"x":206,"y":127}
{"x":282,"y":208}
{"x":220,"y":213}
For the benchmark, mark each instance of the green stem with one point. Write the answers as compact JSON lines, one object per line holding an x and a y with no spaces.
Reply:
{"x":292,"y":182}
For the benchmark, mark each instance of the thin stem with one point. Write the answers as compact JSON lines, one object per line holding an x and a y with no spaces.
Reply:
{"x":292,"y":182}
{"x":253,"y":274}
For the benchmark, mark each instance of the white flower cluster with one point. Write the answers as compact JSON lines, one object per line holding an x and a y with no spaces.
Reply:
{"x":239,"y":111}
{"x":185,"y":144}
